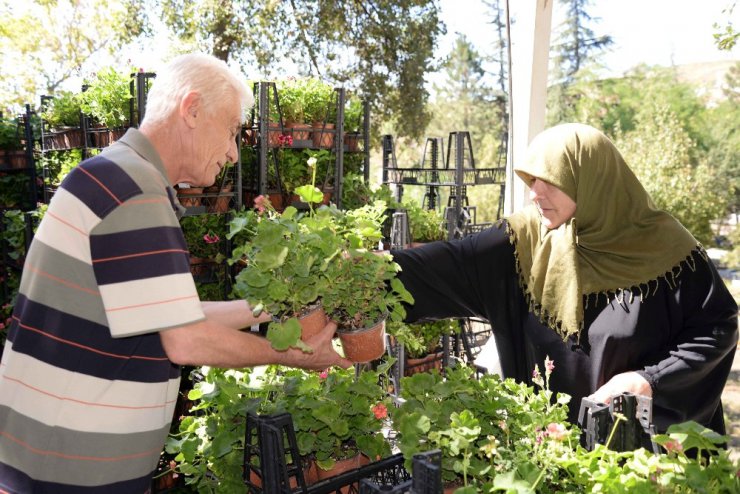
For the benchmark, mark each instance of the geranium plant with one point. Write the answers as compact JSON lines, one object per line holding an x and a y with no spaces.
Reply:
{"x":365,"y":288}
{"x":286,"y":260}
{"x":336,"y":414}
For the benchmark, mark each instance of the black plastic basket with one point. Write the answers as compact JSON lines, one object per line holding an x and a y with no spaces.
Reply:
{"x":272,"y":463}
{"x":598,"y":419}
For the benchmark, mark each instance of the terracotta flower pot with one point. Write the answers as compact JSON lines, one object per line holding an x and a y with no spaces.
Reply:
{"x":363,"y":345}
{"x":300,"y":131}
{"x":190,"y":197}
{"x":342,"y":466}
{"x":220,"y":204}
{"x":424,"y":364}
{"x":312,"y":322}
{"x":310,"y":475}
{"x":323,"y":135}
{"x":352,"y":142}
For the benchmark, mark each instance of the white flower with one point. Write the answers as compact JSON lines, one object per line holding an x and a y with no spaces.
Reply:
{"x":311,"y":162}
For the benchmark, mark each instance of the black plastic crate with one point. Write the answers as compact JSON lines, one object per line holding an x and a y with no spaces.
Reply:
{"x":597,"y":420}
{"x":272,"y":464}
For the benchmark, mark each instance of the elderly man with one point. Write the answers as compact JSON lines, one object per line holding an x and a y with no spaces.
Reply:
{"x":107,"y":309}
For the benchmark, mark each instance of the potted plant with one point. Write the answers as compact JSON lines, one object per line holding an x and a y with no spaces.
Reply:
{"x":485,"y":427}
{"x":337,"y":415}
{"x":204,"y":234}
{"x":425,"y":225}
{"x":291,"y":95}
{"x":353,"y":115}
{"x":318,"y":110}
{"x":62,"y":114}
{"x":287,"y":257}
{"x":106,"y":99}
{"x":365,"y":290}
{"x":421,"y":342}
{"x":12,"y":154}
{"x":355,"y":191}
{"x":218,"y":196}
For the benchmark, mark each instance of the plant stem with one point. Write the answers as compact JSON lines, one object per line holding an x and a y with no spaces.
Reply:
{"x":614,"y":429}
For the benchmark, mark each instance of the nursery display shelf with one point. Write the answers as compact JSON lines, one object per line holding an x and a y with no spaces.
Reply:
{"x":446,"y":176}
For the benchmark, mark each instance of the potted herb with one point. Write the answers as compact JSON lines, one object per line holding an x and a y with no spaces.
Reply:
{"x":12,"y":154}
{"x":62,"y":115}
{"x":106,"y":99}
{"x":353,"y":116}
{"x":336,"y":414}
{"x":421,"y":342}
{"x":425,"y":225}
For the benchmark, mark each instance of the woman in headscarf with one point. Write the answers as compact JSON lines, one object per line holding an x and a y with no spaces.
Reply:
{"x":616,"y":292}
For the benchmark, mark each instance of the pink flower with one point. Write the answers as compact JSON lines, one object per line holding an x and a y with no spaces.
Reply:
{"x":211,"y":239}
{"x":2,"y":325}
{"x":261,"y":203}
{"x":556,"y":431}
{"x":673,"y":446}
{"x":324,"y":374}
{"x":549,"y":365}
{"x":536,"y":373}
{"x":380,"y":411}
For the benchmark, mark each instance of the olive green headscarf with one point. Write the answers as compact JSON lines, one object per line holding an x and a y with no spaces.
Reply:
{"x":616,"y":240}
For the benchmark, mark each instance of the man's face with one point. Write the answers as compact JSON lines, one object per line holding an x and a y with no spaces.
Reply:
{"x":217,"y":143}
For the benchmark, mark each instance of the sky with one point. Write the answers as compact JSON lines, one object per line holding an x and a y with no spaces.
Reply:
{"x":655,"y":32}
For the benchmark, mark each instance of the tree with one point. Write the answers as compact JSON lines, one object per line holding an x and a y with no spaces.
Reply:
{"x":659,"y":152}
{"x":725,"y":37}
{"x":383,"y":48}
{"x":576,"y":46}
{"x":46,"y":42}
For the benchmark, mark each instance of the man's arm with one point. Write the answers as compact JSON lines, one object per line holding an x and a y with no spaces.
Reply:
{"x":235,"y":314}
{"x":218,"y":342}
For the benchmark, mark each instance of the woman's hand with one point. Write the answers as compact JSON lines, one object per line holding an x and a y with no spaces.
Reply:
{"x":631,"y":382}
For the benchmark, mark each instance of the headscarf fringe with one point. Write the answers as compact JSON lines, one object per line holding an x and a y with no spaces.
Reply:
{"x":643,"y":289}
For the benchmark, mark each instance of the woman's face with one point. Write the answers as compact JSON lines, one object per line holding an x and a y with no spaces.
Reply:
{"x":555,"y":206}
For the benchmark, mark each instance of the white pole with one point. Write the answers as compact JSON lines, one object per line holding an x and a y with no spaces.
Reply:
{"x":530,"y":48}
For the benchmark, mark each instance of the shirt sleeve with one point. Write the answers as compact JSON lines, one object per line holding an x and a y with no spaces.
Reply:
{"x":450,"y":279}
{"x":142,"y":267}
{"x":688,"y":381}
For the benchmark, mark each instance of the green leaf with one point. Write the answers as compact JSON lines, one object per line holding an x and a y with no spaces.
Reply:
{"x":309,"y":194}
{"x":284,"y":335}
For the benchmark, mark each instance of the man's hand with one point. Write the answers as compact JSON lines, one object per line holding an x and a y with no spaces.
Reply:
{"x":631,"y":382}
{"x":323,"y":354}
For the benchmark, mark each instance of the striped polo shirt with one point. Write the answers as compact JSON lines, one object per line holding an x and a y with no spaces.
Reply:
{"x":87,"y":392}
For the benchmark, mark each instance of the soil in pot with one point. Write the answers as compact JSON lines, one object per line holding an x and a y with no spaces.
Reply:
{"x":363,"y":345}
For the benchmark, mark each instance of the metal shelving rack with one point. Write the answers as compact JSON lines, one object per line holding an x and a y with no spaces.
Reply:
{"x":256,"y":134}
{"x":434,"y":173}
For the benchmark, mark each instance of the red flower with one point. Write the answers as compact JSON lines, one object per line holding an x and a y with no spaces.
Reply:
{"x":285,"y":140}
{"x":380,"y":411}
{"x":673,"y":446}
{"x":324,"y":374}
{"x":211,"y":239}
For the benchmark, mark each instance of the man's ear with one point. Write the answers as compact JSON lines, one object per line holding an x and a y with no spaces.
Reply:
{"x":190,"y":109}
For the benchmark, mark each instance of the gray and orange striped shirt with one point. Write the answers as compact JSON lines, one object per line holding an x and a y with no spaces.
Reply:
{"x":87,"y":392}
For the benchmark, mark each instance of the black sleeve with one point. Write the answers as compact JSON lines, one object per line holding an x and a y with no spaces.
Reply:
{"x":688,"y":382}
{"x":458,"y":278}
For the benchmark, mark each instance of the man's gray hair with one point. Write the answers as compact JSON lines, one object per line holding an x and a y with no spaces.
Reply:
{"x":209,"y":76}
